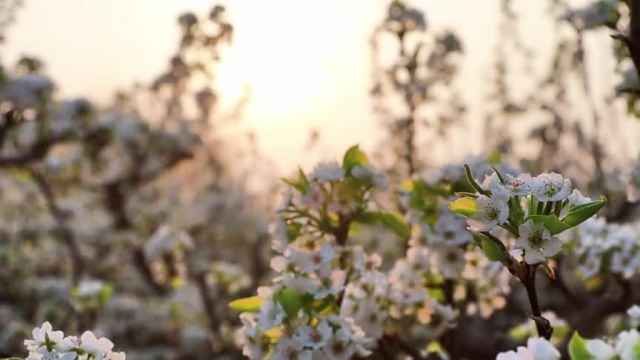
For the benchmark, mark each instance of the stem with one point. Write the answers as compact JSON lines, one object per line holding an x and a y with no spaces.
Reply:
{"x":529,"y":281}
{"x":533,"y":298}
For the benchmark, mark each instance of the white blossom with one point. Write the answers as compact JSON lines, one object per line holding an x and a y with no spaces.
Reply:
{"x":327,"y":171}
{"x":491,"y":211}
{"x":520,"y":185}
{"x":537,"y":242}
{"x":600,"y":349}
{"x":537,"y":349}
{"x":627,"y":344}
{"x":551,"y":187}
{"x":371,"y":174}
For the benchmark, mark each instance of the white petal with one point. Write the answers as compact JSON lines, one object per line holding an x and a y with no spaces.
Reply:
{"x":552,"y":247}
{"x":533,"y":256}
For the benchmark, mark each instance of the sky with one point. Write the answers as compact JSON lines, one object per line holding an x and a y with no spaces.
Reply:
{"x":307,"y":61}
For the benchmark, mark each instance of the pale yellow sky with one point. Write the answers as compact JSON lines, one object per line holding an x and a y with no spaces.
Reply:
{"x":306,"y":60}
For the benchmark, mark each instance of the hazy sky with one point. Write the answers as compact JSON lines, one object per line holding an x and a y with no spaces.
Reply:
{"x":307,"y":61}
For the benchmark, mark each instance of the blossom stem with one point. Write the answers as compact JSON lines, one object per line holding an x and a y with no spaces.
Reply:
{"x":558,"y":208}
{"x":533,"y":204}
{"x":529,"y":281}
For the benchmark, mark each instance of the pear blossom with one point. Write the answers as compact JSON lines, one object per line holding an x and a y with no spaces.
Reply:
{"x":48,"y":344}
{"x":519,"y":185}
{"x":290,"y":348}
{"x":625,"y":263}
{"x":600,"y":349}
{"x":491,"y":211}
{"x":327,"y":171}
{"x":537,"y":242}
{"x":627,"y":344}
{"x":315,"y":196}
{"x":634,"y":315}
{"x":51,"y":355}
{"x":551,"y":187}
{"x":591,"y":264}
{"x":98,"y":347}
{"x":450,"y":261}
{"x":537,"y":349}
{"x":42,"y":335}
{"x":449,"y":230}
{"x":271,"y":314}
{"x":314,"y":337}
{"x":89,"y":288}
{"x":371,"y":174}
{"x":492,"y":183}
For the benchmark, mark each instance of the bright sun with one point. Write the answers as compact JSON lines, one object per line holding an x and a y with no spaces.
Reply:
{"x":283,"y":63}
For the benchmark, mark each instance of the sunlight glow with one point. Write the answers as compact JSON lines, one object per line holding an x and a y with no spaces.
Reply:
{"x":283,"y":63}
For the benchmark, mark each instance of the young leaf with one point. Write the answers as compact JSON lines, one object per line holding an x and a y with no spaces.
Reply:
{"x":472,"y":181}
{"x":578,"y":348}
{"x":290,"y":300}
{"x":580,"y":213}
{"x":465,"y":206}
{"x":494,"y":249}
{"x":301,"y":183}
{"x":354,"y":157}
{"x":391,"y":220}
{"x":394,"y":222}
{"x":249,"y":304}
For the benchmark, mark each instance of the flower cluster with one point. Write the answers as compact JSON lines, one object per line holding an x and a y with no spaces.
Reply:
{"x":49,"y":344}
{"x":326,"y":298}
{"x":624,"y":346}
{"x":442,"y":249}
{"x":607,"y":247}
{"x":330,"y":298}
{"x":532,"y":209}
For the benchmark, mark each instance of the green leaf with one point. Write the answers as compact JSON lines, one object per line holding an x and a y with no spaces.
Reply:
{"x":249,"y":304}
{"x":436,"y":294}
{"x":293,"y":230}
{"x":465,"y":206}
{"x":391,"y":220}
{"x":105,"y":293}
{"x":301,"y":183}
{"x":520,"y":333}
{"x":551,"y":222}
{"x":395,"y":222}
{"x":494,"y":249}
{"x":578,"y":348}
{"x":472,"y":181}
{"x":580,"y":213}
{"x":367,"y":217}
{"x":291,"y":301}
{"x":636,"y":350}
{"x":354,"y":157}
